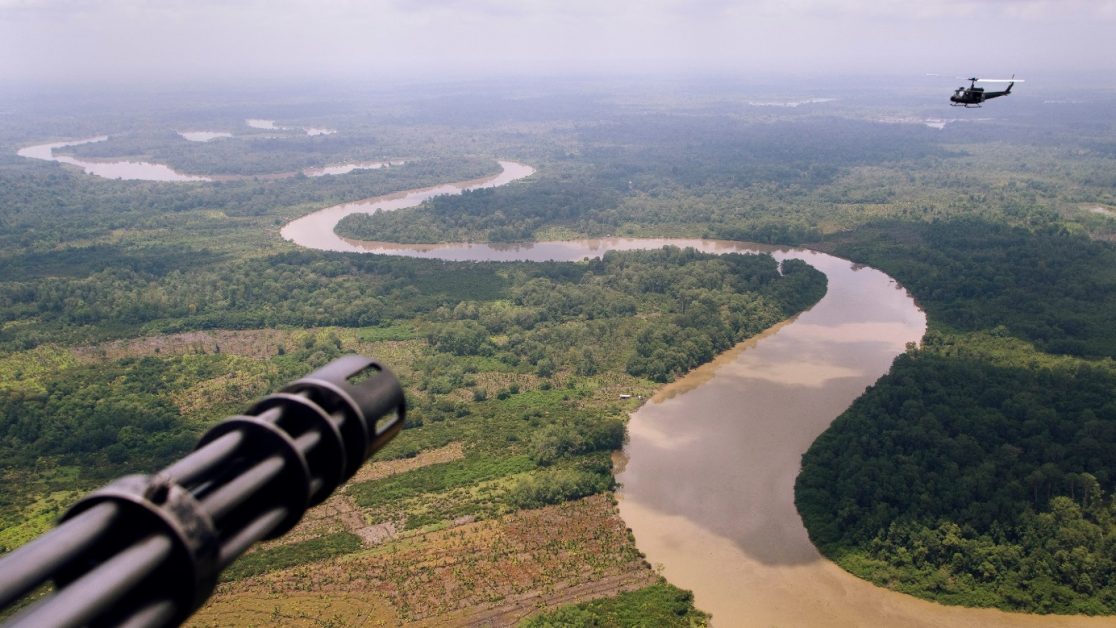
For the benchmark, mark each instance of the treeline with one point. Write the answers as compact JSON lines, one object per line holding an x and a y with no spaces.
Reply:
{"x":709,"y":321}
{"x":129,"y":291}
{"x":45,"y":207}
{"x":1045,"y":285}
{"x":661,"y":172}
{"x":124,"y":415}
{"x":626,"y":311}
{"x":974,"y":483}
{"x":981,"y":470}
{"x":251,"y":152}
{"x":508,"y":214}
{"x":200,"y":290}
{"x":662,"y":312}
{"x":660,"y":604}
{"x":689,"y":306}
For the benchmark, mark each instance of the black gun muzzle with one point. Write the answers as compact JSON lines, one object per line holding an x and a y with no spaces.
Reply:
{"x":146,"y":550}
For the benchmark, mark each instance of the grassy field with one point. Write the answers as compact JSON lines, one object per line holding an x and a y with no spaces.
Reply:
{"x":427,"y":532}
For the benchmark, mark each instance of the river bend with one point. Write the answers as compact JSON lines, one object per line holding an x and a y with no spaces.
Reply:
{"x":708,"y":474}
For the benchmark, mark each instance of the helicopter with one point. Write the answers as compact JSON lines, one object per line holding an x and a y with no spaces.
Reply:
{"x":973,"y":96}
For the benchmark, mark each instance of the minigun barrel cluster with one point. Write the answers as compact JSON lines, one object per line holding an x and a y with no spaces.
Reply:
{"x":147,"y":549}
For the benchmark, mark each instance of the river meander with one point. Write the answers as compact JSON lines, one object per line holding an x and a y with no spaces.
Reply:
{"x":130,"y":170}
{"x":108,"y":169}
{"x":708,"y":474}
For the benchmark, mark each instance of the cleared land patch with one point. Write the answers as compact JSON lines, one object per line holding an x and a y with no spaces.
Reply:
{"x":494,"y":571}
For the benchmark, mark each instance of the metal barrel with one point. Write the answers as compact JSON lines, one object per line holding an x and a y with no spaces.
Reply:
{"x":147,"y":549}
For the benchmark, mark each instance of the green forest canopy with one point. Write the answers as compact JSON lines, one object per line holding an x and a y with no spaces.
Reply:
{"x":981,"y":470}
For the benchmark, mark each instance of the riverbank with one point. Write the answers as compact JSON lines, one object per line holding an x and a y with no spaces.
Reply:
{"x":708,"y":479}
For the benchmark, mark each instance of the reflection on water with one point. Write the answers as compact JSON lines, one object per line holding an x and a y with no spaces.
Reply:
{"x":269,"y":125}
{"x":708,"y":487}
{"x":347,"y":168}
{"x":257,"y":123}
{"x":557,"y":251}
{"x":757,"y":414}
{"x":146,"y":171}
{"x":708,"y":476}
{"x":128,"y":170}
{"x":315,"y":231}
{"x":203,"y":136}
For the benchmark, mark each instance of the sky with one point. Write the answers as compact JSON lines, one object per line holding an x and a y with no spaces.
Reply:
{"x":89,"y":41}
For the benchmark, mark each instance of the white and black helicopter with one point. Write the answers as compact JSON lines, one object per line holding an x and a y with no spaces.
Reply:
{"x":973,"y":96}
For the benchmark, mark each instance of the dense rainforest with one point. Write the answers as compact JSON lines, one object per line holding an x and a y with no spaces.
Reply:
{"x":134,"y":314}
{"x":662,"y":177}
{"x":981,"y":470}
{"x":664,"y":312}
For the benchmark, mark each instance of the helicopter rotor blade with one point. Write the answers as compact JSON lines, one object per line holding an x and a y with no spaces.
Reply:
{"x":984,"y":80}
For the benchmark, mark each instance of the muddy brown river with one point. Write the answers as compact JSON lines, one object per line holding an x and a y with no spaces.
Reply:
{"x":708,"y":474}
{"x":108,"y":169}
{"x":708,"y":484}
{"x":147,"y":171}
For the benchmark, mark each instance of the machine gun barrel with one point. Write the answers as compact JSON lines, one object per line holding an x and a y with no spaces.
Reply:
{"x":146,"y":550}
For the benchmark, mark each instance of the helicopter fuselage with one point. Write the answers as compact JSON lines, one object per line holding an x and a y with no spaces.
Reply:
{"x":973,"y":96}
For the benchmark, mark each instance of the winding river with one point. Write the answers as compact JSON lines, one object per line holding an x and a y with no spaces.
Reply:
{"x":108,"y":169}
{"x":148,"y":171}
{"x":708,"y":475}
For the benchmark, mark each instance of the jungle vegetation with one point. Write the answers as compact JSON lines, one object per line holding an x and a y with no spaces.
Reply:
{"x":657,"y":605}
{"x":133,"y":315}
{"x":981,"y":469}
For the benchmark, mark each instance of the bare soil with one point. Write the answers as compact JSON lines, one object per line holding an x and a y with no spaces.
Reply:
{"x":474,"y":573}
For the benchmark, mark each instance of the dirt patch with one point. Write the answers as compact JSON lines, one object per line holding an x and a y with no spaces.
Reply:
{"x":340,"y":512}
{"x":295,"y":609}
{"x":487,"y":572}
{"x":387,"y":468}
{"x":255,"y":343}
{"x":231,"y":388}
{"x":493,"y":382}
{"x":519,"y":607}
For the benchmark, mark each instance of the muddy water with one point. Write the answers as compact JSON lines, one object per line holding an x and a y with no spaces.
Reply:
{"x":722,"y":446}
{"x":340,"y":169}
{"x":708,"y":485}
{"x":315,"y":231}
{"x":147,"y":171}
{"x":203,"y":136}
{"x":269,"y":125}
{"x":708,"y":474}
{"x":128,"y":170}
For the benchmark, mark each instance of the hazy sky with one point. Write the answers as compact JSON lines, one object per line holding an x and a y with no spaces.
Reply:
{"x":124,"y":40}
